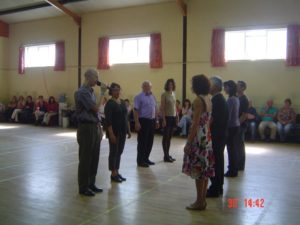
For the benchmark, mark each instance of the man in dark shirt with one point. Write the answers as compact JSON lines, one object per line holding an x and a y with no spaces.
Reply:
{"x":244,"y":105}
{"x":89,"y":133}
{"x":218,"y":133}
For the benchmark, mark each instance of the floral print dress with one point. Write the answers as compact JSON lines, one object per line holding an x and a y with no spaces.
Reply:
{"x":198,"y":162}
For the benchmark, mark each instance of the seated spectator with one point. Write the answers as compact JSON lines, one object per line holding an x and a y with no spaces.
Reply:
{"x":252,"y":120}
{"x":178,"y":108}
{"x":10,"y":107}
{"x":286,"y":118}
{"x":52,"y":110}
{"x":128,"y":106}
{"x":186,"y":118}
{"x":268,"y":114}
{"x":20,"y":106}
{"x":40,"y":109}
{"x":26,"y":115}
{"x":29,"y":105}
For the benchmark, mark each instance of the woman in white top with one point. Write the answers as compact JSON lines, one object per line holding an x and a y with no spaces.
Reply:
{"x":169,"y":116}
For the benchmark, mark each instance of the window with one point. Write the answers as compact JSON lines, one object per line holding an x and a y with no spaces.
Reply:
{"x":129,"y":50}
{"x":40,"y":55}
{"x":255,"y":44}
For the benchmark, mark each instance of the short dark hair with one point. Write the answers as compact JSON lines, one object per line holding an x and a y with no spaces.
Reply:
{"x":232,"y":87}
{"x":200,"y":84}
{"x":168,"y":82}
{"x":288,"y":100}
{"x":243,"y":84}
{"x":112,"y":86}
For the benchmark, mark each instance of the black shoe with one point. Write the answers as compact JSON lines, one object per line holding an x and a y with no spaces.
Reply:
{"x":150,"y":163}
{"x":87,"y":192}
{"x":230,"y":174}
{"x":168,"y":159}
{"x":122,"y":178}
{"x":143,"y":165}
{"x":172,"y":158}
{"x":116,"y":179}
{"x":95,"y":189}
{"x":212,"y":194}
{"x":241,"y":168}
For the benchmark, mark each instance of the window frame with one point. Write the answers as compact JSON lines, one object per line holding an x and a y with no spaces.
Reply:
{"x":39,"y":45}
{"x":245,"y":44}
{"x":123,"y":39}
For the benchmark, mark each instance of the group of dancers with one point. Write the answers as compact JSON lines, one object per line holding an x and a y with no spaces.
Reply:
{"x":215,"y":123}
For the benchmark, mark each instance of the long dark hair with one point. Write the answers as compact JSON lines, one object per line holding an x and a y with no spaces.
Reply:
{"x":51,"y":98}
{"x":167,"y":84}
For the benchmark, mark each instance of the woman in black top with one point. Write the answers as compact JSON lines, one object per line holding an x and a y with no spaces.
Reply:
{"x":116,"y":119}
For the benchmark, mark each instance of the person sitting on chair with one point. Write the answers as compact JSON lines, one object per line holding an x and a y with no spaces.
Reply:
{"x":18,"y":109}
{"x":40,"y":109}
{"x":268,"y":114}
{"x":286,"y":118}
{"x":186,"y":118}
{"x":10,"y":107}
{"x":52,"y":110}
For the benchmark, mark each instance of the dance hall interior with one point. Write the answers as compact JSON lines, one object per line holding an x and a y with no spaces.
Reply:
{"x":149,"y":112}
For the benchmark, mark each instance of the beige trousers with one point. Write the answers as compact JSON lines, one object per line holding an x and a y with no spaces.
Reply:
{"x":262,"y":128}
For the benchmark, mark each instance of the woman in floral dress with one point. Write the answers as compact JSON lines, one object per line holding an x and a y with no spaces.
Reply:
{"x":198,"y":154}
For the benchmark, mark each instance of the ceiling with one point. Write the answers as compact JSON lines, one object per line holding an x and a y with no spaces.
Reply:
{"x":10,"y":9}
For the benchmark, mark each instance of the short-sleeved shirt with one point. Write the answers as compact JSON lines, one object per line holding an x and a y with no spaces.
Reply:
{"x":233,"y":108}
{"x":270,"y":110}
{"x":170,"y":103}
{"x":116,"y":115}
{"x":286,"y":114}
{"x":145,"y":104}
{"x":85,"y":100}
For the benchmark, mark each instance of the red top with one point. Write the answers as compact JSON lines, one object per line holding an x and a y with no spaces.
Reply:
{"x":42,"y":107}
{"x":52,"y":107}
{"x":20,"y":105}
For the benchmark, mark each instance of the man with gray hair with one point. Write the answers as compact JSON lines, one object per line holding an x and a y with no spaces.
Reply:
{"x":89,"y":133}
{"x":145,"y":114}
{"x":219,"y":123}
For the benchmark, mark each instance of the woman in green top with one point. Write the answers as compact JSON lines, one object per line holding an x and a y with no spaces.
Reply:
{"x":169,"y":116}
{"x":117,"y":127}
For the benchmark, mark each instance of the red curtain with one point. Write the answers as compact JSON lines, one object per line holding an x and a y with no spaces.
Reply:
{"x":155,"y":51}
{"x":103,"y":53}
{"x":218,"y":48}
{"x":293,"y":46}
{"x":59,"y":56}
{"x":21,"y":66}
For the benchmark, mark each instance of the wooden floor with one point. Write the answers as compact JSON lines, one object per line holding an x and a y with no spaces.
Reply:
{"x":38,"y":184}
